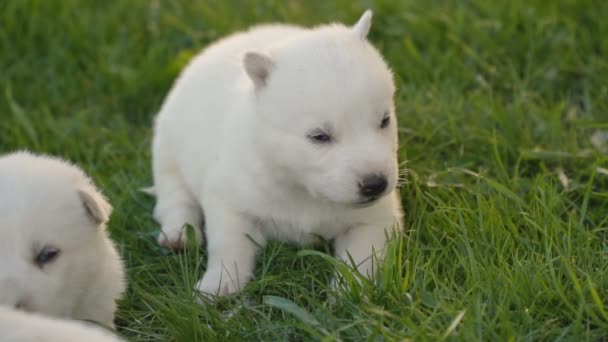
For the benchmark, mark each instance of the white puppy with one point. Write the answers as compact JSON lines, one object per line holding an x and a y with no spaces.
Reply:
{"x":279,"y":132}
{"x":55,"y":254}
{"x":18,"y":326}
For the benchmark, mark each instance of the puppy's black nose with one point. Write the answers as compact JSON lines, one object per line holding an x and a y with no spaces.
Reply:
{"x":372,"y":185}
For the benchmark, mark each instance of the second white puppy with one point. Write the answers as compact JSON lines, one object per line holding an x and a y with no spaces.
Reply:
{"x":55,"y":255}
{"x":279,"y":132}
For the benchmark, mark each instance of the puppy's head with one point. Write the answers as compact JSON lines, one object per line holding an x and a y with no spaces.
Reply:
{"x":326,"y":118}
{"x":51,"y":229}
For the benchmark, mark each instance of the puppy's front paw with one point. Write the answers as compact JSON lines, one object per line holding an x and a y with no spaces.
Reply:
{"x":176,"y":238}
{"x":218,"y":282}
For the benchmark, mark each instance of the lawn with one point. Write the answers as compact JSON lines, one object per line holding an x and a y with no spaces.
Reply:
{"x":503,"y":116}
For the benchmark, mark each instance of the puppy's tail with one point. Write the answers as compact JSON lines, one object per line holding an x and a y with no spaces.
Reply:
{"x":150,"y":191}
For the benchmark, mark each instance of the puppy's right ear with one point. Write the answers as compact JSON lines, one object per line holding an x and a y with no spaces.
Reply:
{"x":258,"y":67}
{"x":361,"y":28}
{"x":95,"y":205}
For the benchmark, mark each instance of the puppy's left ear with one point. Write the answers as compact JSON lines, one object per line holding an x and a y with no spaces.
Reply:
{"x":361,"y":28}
{"x":95,"y":205}
{"x":258,"y":67}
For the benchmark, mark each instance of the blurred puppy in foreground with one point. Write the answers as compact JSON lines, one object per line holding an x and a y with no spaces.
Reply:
{"x":56,"y":257}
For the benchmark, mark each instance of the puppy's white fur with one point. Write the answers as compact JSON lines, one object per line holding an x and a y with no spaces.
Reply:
{"x":19,"y":326}
{"x":48,"y":204}
{"x":234,"y":139}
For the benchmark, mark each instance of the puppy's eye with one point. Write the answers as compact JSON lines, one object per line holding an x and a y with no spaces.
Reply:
{"x":319,"y":137}
{"x":385,"y":121}
{"x":46,"y":256}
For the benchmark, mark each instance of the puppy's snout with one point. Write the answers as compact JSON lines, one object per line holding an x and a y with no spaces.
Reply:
{"x":372,"y":185}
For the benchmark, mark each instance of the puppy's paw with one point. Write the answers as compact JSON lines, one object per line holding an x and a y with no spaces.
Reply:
{"x":177,"y":238}
{"x":218,"y":282}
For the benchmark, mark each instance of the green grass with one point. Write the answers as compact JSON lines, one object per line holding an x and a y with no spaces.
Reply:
{"x":496,"y":100}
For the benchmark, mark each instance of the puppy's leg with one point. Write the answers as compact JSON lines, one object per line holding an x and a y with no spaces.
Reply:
{"x":232,"y":243}
{"x":365,"y":245}
{"x":175,"y":206}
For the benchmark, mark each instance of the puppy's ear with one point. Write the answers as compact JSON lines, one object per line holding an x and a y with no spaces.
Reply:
{"x":258,"y":67}
{"x":95,"y":205}
{"x":361,"y":28}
